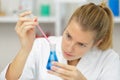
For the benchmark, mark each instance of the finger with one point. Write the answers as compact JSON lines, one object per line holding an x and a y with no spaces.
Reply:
{"x":23,"y":31}
{"x":67,"y":67}
{"x":28,"y":24}
{"x":25,"y":25}
{"x":25,"y":13}
{"x":59,"y":75}
{"x":61,"y":71}
{"x":27,"y":28}
{"x":35,"y":19}
{"x":23,"y":19}
{"x":20,"y":28}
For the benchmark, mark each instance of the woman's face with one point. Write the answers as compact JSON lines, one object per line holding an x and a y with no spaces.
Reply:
{"x":76,"y":42}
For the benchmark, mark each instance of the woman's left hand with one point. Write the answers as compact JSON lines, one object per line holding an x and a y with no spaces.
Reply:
{"x":66,"y":72}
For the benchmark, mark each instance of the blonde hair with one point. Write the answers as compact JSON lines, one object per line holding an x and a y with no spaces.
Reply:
{"x":96,"y":18}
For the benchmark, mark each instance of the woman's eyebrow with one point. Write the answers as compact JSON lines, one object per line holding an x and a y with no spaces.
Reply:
{"x":67,"y":31}
{"x":82,"y":43}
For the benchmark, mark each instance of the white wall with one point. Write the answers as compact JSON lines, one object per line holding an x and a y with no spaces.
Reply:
{"x":116,"y":38}
{"x":9,"y":44}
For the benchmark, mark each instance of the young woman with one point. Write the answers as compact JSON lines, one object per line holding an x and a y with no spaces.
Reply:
{"x":84,"y":51}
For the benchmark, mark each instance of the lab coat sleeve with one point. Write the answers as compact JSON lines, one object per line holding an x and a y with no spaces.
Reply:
{"x":29,"y":68}
{"x":3,"y":73}
{"x":111,"y":70}
{"x":28,"y":71}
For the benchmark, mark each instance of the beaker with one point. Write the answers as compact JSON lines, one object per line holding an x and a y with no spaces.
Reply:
{"x":52,"y":56}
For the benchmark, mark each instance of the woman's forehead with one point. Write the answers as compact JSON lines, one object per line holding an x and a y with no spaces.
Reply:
{"x":78,"y":33}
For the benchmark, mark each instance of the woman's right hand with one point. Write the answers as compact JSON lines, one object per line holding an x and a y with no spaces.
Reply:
{"x":25,"y":29}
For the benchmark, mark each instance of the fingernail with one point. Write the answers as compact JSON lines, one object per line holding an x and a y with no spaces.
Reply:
{"x":53,"y":68}
{"x":35,"y":20}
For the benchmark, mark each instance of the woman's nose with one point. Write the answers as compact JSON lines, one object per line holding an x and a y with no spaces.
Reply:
{"x":71,"y":47}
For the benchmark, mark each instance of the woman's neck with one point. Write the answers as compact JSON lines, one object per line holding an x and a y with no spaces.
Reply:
{"x":73,"y":62}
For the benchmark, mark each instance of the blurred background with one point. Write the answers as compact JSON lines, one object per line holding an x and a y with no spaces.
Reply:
{"x":53,"y":16}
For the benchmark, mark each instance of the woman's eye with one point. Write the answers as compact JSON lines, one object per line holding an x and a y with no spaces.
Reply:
{"x":68,"y":36}
{"x":82,"y":45}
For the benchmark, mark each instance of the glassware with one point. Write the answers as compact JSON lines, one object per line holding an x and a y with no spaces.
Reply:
{"x":52,"y":56}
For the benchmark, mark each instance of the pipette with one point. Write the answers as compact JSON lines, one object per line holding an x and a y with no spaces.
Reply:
{"x":39,"y":27}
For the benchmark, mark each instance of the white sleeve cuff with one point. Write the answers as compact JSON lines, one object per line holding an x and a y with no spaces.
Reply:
{"x":3,"y":73}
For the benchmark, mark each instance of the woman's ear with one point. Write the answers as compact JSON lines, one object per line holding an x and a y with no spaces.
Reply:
{"x":98,"y":42}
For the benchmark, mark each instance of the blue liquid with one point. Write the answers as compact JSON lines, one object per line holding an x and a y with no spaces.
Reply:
{"x":52,"y":57}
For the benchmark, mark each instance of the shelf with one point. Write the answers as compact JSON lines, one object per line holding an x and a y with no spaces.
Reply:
{"x":10,"y":19}
{"x":117,"y":19}
{"x":47,"y":19}
{"x":72,"y":1}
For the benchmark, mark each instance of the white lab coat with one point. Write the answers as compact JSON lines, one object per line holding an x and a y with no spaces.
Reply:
{"x":94,"y":65}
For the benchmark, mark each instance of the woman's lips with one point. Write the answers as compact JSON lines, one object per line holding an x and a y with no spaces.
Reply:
{"x":68,"y":54}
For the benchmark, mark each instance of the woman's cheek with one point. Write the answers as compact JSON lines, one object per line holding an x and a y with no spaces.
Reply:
{"x":64,"y":44}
